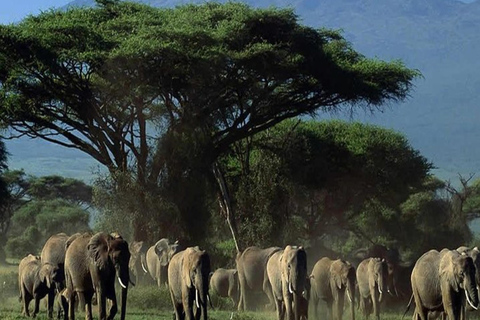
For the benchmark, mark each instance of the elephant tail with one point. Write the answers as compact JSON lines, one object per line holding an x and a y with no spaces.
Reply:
{"x":408,"y":306}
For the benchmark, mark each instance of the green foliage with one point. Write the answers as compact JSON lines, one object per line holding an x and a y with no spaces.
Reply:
{"x":36,"y":221}
{"x":472,"y":203}
{"x":160,"y":94}
{"x":336,"y":181}
{"x":150,"y":297}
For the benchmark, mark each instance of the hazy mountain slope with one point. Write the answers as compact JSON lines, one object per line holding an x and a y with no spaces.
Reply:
{"x":441,"y":38}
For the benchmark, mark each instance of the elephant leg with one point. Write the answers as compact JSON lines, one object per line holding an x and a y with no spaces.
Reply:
{"x":279,"y":309}
{"x":243,"y":284}
{"x":188,"y":309}
{"x":50,"y":300}
{"x":26,"y":301}
{"x":37,"y":306}
{"x":330,"y":315}
{"x":267,"y":288}
{"x":102,"y":304}
{"x":376,"y":308}
{"x":71,"y":306}
{"x":113,"y":309}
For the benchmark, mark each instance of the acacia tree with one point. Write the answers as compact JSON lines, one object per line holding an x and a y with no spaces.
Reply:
{"x":159,"y":94}
{"x":315,"y":180}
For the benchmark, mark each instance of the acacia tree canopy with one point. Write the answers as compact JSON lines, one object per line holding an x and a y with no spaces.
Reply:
{"x":327,"y":179}
{"x":132,"y":85}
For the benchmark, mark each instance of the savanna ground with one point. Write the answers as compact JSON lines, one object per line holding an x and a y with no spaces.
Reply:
{"x":144,"y":303}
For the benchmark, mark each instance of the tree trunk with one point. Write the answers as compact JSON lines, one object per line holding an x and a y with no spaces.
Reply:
{"x":225,"y":204}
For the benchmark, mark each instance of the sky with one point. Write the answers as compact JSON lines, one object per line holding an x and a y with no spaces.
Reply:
{"x":16,"y":10}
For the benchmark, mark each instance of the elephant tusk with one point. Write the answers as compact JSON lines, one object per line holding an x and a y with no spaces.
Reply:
{"x":196,"y":298}
{"x":470,"y":302}
{"x":380,"y":290}
{"x":121,"y":283}
{"x":348,"y":295}
{"x":290,"y":288}
{"x":144,"y":269}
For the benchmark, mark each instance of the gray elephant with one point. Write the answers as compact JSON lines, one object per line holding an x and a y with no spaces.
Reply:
{"x":188,"y":273}
{"x":440,"y":282}
{"x":138,"y":261}
{"x":158,"y":257}
{"x":224,"y":282}
{"x":287,"y":273}
{"x":53,"y":252}
{"x":330,"y":281}
{"x":35,"y":281}
{"x":91,"y":264}
{"x":372,"y":276}
{"x":252,"y":274}
{"x":475,"y":255}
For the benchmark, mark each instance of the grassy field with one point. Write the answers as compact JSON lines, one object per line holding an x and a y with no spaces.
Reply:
{"x":144,"y":303}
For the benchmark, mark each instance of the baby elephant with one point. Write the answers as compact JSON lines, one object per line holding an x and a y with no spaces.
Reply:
{"x":225,"y":283}
{"x":35,"y":281}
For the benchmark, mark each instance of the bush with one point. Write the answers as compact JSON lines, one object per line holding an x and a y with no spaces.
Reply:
{"x":150,"y":297}
{"x":19,"y":247}
{"x":8,"y":284}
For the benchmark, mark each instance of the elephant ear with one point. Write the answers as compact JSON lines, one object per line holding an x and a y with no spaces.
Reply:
{"x":447,"y":271}
{"x":97,"y":248}
{"x":45,"y":274}
{"x":185,"y":265}
{"x":161,"y":250}
{"x":135,"y":247}
{"x":337,"y":280}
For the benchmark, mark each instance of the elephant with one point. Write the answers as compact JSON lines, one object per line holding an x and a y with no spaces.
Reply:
{"x":287,"y":273}
{"x":475,"y":255}
{"x":225,"y":283}
{"x":330,"y":280}
{"x":53,"y":252}
{"x":158,"y":257}
{"x":252,"y":274}
{"x":440,"y":280}
{"x":188,"y":273}
{"x":35,"y":281}
{"x":391,"y":257}
{"x":91,"y":264}
{"x":138,"y":260}
{"x":371,"y":278}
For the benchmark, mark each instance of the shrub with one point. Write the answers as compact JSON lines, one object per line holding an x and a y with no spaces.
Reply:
{"x":150,"y":297}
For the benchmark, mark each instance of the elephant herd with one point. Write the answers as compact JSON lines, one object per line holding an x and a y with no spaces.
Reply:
{"x":72,"y":269}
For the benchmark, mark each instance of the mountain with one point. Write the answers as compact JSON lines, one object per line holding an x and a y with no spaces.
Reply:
{"x":441,"y":38}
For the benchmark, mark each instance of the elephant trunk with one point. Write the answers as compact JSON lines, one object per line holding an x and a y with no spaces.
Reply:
{"x":123,"y":309}
{"x":296,"y":303}
{"x":297,"y":286}
{"x":201,"y":296}
{"x":124,"y":279}
{"x":382,"y":286}
{"x":351,"y":295}
{"x":471,"y":292}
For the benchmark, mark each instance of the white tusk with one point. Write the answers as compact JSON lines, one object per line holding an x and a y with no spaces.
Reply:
{"x":380,"y":290}
{"x":348,"y":295}
{"x":121,"y":283}
{"x":290,"y":288}
{"x":196,"y":298}
{"x":144,"y":269}
{"x":231,"y":316}
{"x":470,"y":302}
